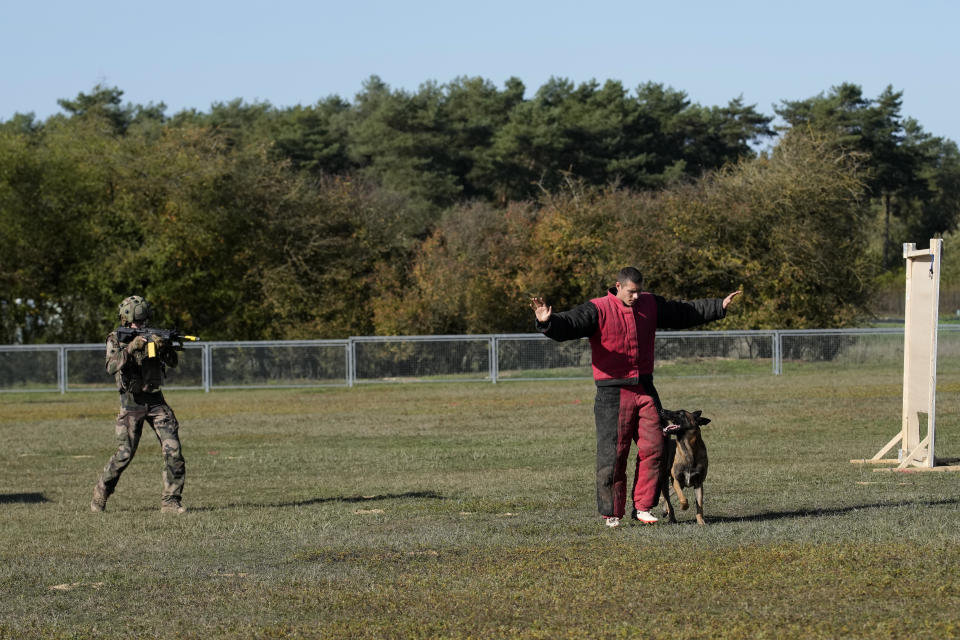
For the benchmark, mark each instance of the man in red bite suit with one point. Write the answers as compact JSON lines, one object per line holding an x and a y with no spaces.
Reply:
{"x":621,"y":327}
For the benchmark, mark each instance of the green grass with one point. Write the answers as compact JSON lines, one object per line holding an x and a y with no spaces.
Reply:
{"x":467,"y":511}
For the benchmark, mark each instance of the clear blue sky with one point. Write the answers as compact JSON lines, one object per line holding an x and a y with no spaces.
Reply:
{"x":194,"y":54}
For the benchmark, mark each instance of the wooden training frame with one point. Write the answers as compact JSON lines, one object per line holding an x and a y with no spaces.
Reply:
{"x":921,"y":315}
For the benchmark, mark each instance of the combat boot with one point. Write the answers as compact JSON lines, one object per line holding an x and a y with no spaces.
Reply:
{"x":172,"y":505}
{"x":99,"y":502}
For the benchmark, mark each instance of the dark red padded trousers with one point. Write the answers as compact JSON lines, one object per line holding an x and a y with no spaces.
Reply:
{"x":624,"y":415}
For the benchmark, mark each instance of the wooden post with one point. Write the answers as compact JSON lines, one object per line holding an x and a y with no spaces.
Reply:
{"x":919,"y":360}
{"x":920,"y":352}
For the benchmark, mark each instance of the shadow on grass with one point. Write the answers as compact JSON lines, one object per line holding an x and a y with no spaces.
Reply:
{"x":815,"y":513}
{"x":22,"y":498}
{"x":430,"y":495}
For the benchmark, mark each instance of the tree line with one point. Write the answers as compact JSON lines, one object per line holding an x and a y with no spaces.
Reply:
{"x":443,"y":210}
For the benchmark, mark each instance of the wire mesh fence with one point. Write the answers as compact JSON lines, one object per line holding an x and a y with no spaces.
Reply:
{"x":231,"y":365}
{"x":490,"y":358}
{"x":421,"y":358}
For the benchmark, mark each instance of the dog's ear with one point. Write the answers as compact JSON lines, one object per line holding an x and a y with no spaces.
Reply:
{"x":698,"y":420}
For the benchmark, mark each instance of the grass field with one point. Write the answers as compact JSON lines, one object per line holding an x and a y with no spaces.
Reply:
{"x":468,"y":511}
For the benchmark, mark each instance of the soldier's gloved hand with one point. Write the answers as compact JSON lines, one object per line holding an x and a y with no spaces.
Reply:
{"x":158,"y":341}
{"x":137,"y":344}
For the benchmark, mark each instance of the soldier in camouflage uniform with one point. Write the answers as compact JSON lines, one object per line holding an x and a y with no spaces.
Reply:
{"x":138,"y":380}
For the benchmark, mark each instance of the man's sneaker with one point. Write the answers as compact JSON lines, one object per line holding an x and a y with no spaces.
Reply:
{"x":611,"y":521}
{"x":645,"y":517}
{"x":172,"y":506}
{"x":99,"y":502}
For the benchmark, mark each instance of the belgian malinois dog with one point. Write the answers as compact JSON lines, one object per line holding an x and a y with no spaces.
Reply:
{"x":685,"y":460}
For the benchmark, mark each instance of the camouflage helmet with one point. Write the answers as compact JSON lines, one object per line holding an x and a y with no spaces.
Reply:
{"x":134,"y":309}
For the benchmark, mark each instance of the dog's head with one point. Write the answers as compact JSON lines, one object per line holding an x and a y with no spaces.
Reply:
{"x":678,"y":422}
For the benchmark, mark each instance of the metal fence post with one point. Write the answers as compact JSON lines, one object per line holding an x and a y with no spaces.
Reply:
{"x":62,"y":368}
{"x":351,"y":361}
{"x":494,"y":365}
{"x":777,"y":353}
{"x":206,"y":368}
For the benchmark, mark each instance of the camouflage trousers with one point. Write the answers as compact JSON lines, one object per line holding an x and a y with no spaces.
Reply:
{"x":129,"y":428}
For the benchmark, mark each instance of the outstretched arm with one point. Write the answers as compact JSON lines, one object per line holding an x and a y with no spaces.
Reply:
{"x":683,"y":314}
{"x":579,"y":322}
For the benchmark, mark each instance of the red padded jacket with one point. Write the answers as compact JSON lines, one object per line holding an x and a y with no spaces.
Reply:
{"x":622,"y":337}
{"x":622,"y":345}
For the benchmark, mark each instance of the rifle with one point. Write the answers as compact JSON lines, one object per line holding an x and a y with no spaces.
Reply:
{"x":171,"y":336}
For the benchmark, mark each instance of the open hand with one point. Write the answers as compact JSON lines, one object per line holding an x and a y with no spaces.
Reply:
{"x":729,"y":298}
{"x":540,"y":308}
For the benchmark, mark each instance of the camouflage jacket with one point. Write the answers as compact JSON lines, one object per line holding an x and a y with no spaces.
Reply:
{"x":138,"y":377}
